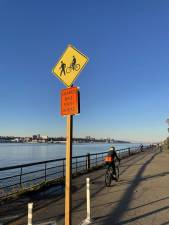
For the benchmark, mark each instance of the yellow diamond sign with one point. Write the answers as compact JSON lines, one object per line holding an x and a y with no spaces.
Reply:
{"x":70,"y":65}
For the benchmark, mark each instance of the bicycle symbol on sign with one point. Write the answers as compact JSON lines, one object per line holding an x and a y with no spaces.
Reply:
{"x":73,"y":66}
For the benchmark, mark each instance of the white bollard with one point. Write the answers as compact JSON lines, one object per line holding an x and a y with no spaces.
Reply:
{"x":30,"y":207}
{"x":88,"y":219}
{"x":88,"y":198}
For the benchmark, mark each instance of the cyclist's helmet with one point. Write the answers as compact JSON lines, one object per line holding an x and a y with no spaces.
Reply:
{"x":112,"y":148}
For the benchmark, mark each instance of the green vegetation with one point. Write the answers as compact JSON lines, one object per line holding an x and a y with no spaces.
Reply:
{"x":166,"y":144}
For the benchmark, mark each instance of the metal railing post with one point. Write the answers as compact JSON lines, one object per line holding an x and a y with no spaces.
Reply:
{"x":20,"y":182}
{"x":96,"y":159}
{"x":76,"y":165}
{"x":119,"y":154}
{"x":129,"y":151}
{"x":45,"y":172}
{"x":88,"y":161}
{"x":63,"y":168}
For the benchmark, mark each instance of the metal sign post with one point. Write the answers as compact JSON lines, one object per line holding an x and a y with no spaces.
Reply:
{"x":67,"y":70}
{"x":68,"y":182}
{"x":69,"y":107}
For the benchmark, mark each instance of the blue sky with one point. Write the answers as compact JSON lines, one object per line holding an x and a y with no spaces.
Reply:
{"x":124,"y":87}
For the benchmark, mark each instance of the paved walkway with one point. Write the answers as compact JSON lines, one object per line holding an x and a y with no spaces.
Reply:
{"x":141,"y":197}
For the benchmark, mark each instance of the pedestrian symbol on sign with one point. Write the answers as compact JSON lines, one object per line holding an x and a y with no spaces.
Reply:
{"x":62,"y":67}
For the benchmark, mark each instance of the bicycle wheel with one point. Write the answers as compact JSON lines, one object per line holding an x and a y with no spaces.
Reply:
{"x":68,"y":70}
{"x":77,"y":67}
{"x":108,"y":178}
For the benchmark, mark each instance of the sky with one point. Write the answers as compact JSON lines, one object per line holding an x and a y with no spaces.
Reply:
{"x":124,"y":87}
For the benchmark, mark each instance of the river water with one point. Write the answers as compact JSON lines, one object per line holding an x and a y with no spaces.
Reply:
{"x":16,"y":154}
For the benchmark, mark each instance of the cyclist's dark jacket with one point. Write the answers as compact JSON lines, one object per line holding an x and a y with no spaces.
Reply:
{"x":114,"y":155}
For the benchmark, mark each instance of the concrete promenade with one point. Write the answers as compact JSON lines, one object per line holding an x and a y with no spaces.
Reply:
{"x":140,"y":197}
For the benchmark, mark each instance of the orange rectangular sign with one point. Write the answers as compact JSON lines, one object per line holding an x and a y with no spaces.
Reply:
{"x":70,"y":101}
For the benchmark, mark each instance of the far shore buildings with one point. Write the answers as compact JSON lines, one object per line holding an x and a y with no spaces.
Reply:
{"x":36,"y":138}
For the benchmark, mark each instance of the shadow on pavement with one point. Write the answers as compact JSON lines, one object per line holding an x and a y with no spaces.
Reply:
{"x":96,"y":191}
{"x":141,"y":216}
{"x":149,"y":203}
{"x":166,"y":223}
{"x":126,"y":167}
{"x":121,"y":208}
{"x":101,"y":186}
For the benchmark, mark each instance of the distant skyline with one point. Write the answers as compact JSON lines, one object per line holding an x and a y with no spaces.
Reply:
{"x":124,"y":87}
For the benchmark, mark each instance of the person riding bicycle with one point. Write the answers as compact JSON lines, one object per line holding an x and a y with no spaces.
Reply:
{"x":141,"y":147}
{"x":73,"y":62}
{"x":112,"y":153}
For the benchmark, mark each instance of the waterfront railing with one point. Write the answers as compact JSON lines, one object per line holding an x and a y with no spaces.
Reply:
{"x":21,"y":178}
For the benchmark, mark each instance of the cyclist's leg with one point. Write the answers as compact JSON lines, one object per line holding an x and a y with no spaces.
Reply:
{"x":114,"y":168}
